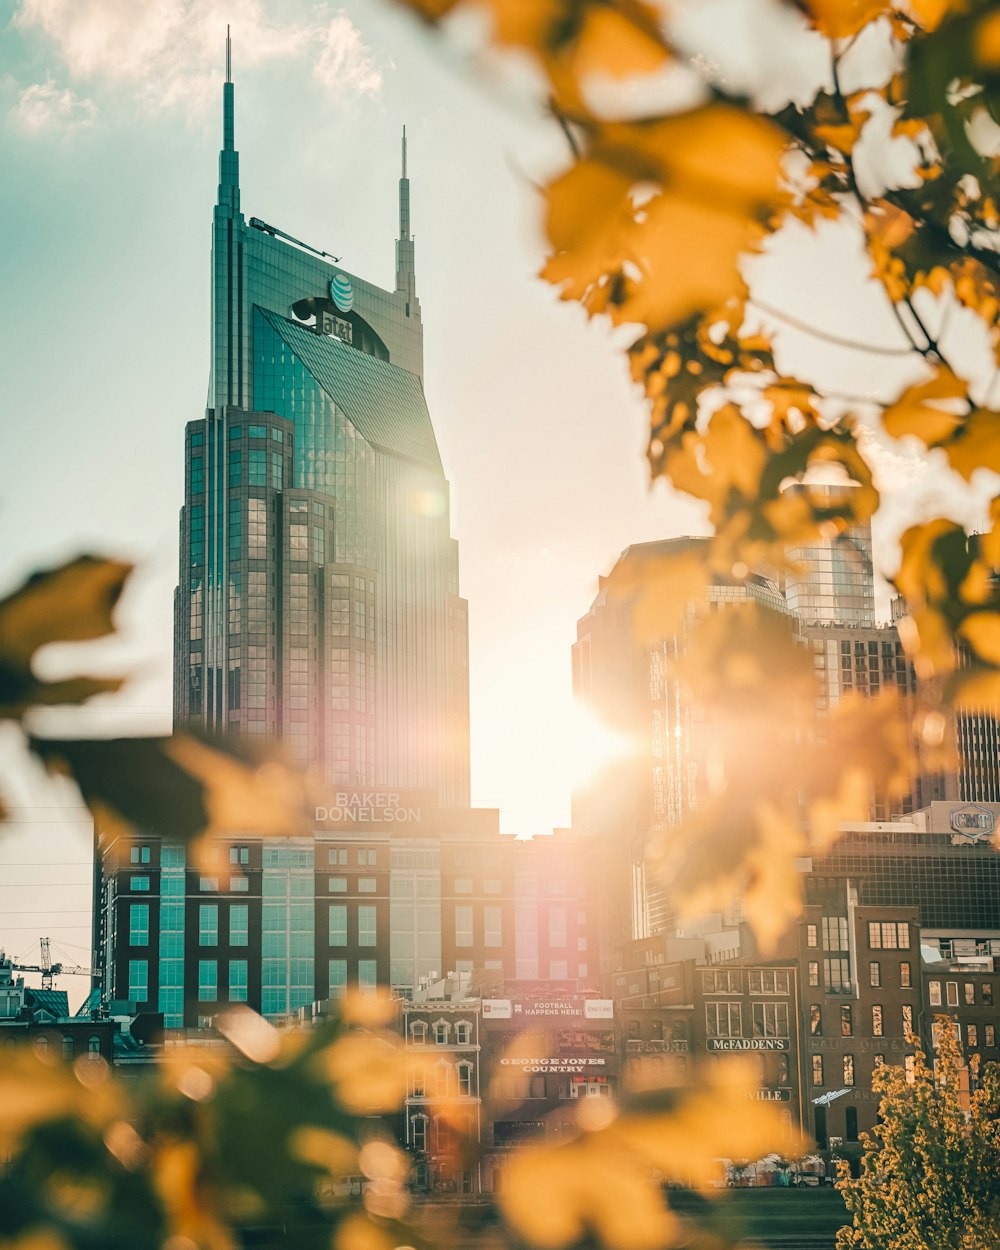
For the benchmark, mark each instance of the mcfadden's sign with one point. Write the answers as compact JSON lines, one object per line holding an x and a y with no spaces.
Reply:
{"x":748,"y":1043}
{"x":373,"y":807}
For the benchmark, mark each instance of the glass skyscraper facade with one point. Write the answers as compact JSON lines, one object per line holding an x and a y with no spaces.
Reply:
{"x":318,"y":596}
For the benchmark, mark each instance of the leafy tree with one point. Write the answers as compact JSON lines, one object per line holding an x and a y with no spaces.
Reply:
{"x":930,"y":1174}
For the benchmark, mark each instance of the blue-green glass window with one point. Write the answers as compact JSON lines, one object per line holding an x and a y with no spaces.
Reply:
{"x":208,"y":924}
{"x":338,"y":924}
{"x":172,"y":857}
{"x":139,"y":884}
{"x":237,"y":980}
{"x":277,"y":461}
{"x":138,"y":924}
{"x":197,"y":438}
{"x":367,"y":975}
{"x":235,"y":431}
{"x":197,"y":475}
{"x":235,"y":467}
{"x":208,"y":980}
{"x":258,"y":466}
{"x":239,"y":924}
{"x":277,"y":435}
{"x":197,"y":534}
{"x":235,"y":529}
{"x":366,"y":925}
{"x":338,"y":977}
{"x":258,"y":431}
{"x":138,"y":980}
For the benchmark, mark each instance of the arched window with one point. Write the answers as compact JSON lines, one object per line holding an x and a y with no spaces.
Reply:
{"x":418,"y":1132}
{"x":41,"y":1046}
{"x":418,"y":1084}
{"x":67,"y":1047}
{"x":463,"y":1032}
{"x":418,"y":1032}
{"x":442,"y":1031}
{"x":465,"y":1079}
{"x":442,"y":1077}
{"x":93,"y":1044}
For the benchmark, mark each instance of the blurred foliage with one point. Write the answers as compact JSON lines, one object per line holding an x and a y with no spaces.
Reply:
{"x":930,"y":1173}
{"x":649,"y":224}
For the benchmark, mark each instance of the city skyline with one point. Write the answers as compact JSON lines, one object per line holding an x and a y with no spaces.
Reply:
{"x":113,"y":161}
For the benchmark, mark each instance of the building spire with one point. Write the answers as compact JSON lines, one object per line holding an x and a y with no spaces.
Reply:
{"x":229,"y":160}
{"x":405,"y":253}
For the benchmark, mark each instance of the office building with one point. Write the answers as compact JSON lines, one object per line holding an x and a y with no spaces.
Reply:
{"x":318,"y":597}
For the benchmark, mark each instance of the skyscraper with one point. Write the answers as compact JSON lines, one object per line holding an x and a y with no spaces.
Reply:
{"x":318,"y":596}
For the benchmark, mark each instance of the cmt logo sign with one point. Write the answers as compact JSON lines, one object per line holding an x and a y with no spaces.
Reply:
{"x":973,"y":822}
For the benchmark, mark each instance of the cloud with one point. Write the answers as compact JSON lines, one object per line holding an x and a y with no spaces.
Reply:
{"x":170,"y":52}
{"x":44,"y":106}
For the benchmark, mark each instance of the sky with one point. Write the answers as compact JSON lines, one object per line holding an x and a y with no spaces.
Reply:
{"x":110,"y":123}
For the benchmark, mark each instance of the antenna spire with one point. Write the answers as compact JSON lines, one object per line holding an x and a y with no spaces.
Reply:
{"x":405,"y":259}
{"x":229,"y":56}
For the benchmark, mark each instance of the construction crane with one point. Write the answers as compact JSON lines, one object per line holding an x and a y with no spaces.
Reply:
{"x":48,"y":969}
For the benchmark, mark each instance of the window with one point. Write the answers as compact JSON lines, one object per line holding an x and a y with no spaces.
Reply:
{"x":811,"y":935}
{"x":837,"y":975}
{"x":338,"y":978}
{"x":239,"y":885}
{"x":139,"y":885}
{"x":418,"y":1132}
{"x":770,"y":1019}
{"x":257,"y":431}
{"x":463,"y":1032}
{"x":138,"y":924}
{"x":952,"y":993}
{"x":366,"y":885}
{"x":814,"y":972}
{"x":237,"y":980}
{"x":848,"y":1069}
{"x":418,"y":1032}
{"x":909,"y":1065}
{"x":338,"y":924}
{"x":239,"y":924}
{"x":463,"y":885}
{"x":338,"y":857}
{"x":874,"y":973}
{"x":367,"y":975}
{"x":93,"y":1044}
{"x":138,"y":980}
{"x":907,"y":1013}
{"x":493,"y":925}
{"x":338,"y":885}
{"x":208,"y":924}
{"x":888,"y":935}
{"x":723,"y":1020}
{"x":721,"y":981}
{"x":877,"y":1020}
{"x":986,"y":993}
{"x":208,"y":980}
{"x":817,"y":1069}
{"x":768,"y":981}
{"x":972,"y":1035}
{"x":366,"y":924}
{"x":463,"y":926}
{"x":492,"y":885}
{"x":835,"y":933}
{"x":442,"y":1032}
{"x":208,"y":884}
{"x":969,"y":993}
{"x":989,"y":1035}
{"x":464,"y":1071}
{"x":905,"y":974}
{"x":558,"y":969}
{"x":934,"y":993}
{"x":239,"y":855}
{"x":846,"y":1020}
{"x":139,"y":854}
{"x":557,"y":926}
{"x":815,"y":1020}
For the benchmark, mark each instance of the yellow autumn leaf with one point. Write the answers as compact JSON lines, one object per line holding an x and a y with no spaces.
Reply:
{"x":619,"y":41}
{"x":976,"y":444}
{"x":982,"y":631}
{"x":928,"y":409}
{"x":839,"y":19}
{"x":986,"y":41}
